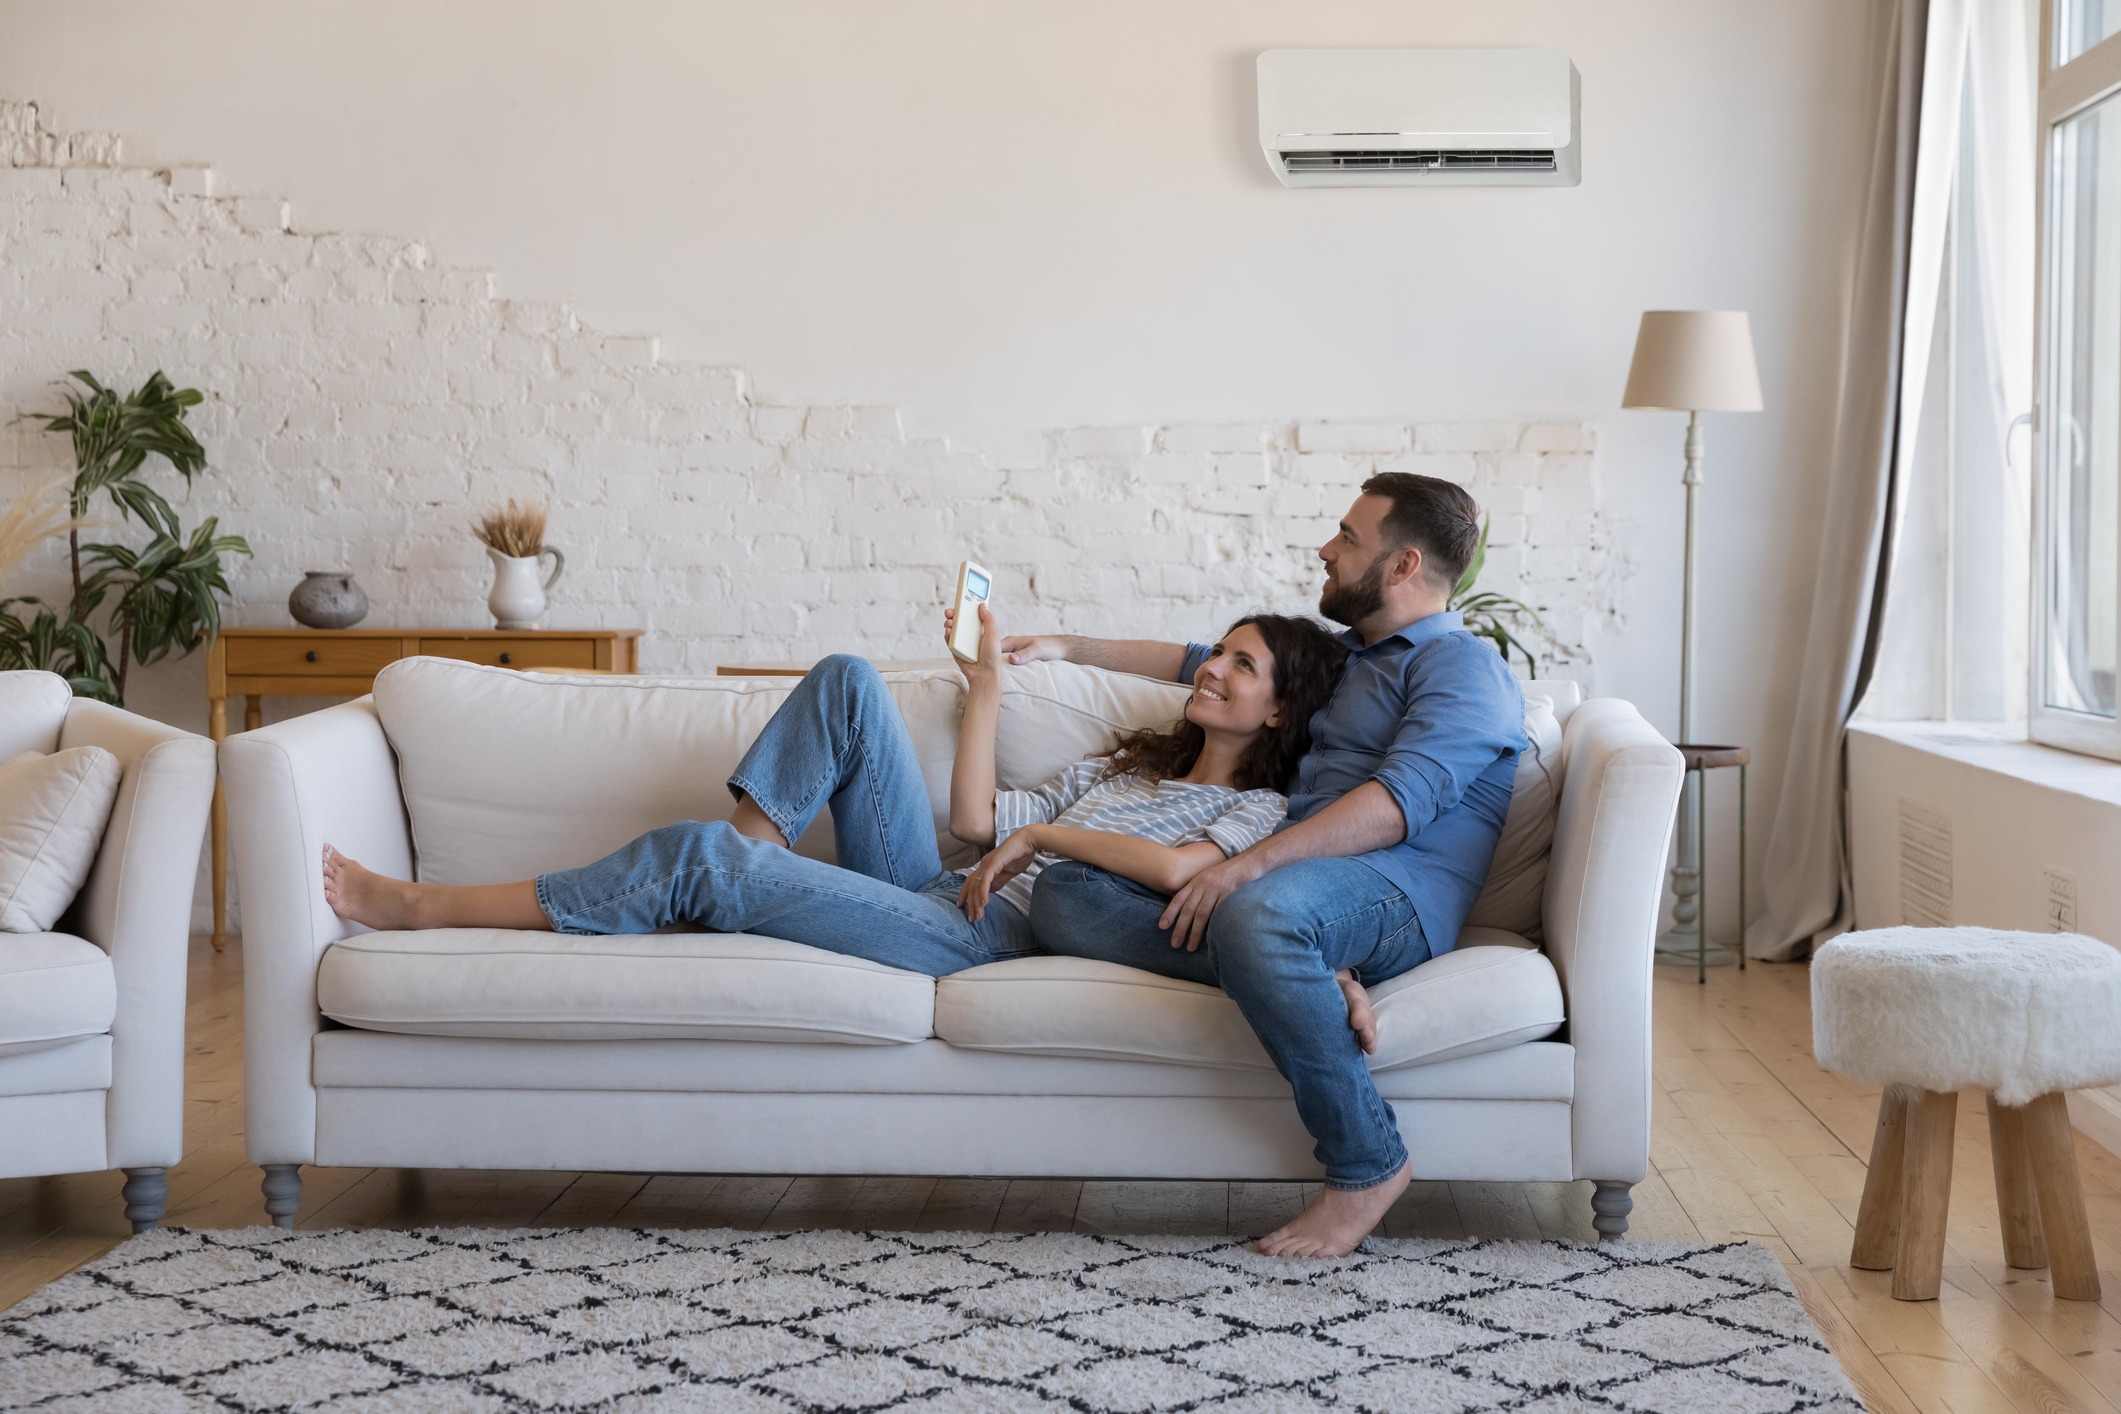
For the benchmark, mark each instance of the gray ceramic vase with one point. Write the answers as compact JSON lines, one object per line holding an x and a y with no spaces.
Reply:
{"x":328,"y":599}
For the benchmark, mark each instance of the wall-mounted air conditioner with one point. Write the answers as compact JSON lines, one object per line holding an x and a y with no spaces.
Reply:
{"x":1420,"y":117}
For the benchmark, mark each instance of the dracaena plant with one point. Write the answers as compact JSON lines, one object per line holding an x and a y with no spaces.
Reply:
{"x":129,"y":603}
{"x":1491,"y":616}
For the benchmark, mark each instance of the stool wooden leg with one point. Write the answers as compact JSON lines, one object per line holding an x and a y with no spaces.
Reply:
{"x":2051,"y":1148}
{"x":1878,"y":1220}
{"x":2024,"y":1244}
{"x":1925,"y":1196}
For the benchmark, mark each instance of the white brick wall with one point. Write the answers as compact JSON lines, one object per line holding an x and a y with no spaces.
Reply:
{"x":364,"y":401}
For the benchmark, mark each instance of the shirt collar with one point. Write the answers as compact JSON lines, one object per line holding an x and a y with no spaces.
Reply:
{"x":1413,"y":635}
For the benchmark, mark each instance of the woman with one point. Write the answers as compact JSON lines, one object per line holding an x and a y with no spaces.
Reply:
{"x":1163,"y":806}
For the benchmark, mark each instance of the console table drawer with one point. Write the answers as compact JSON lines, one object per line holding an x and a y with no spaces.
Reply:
{"x":311,"y":655}
{"x":515,"y":652}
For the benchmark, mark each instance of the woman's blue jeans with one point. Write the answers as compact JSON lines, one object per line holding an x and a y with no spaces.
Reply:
{"x":837,"y":742}
{"x":1273,"y":946}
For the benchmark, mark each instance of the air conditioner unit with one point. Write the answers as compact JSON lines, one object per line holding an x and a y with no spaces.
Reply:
{"x":1420,"y":117}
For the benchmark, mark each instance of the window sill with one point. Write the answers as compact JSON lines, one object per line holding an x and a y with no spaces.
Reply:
{"x":2004,"y":749}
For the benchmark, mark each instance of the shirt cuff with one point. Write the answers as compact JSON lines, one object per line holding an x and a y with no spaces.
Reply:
{"x":1196,"y":654}
{"x":1014,"y":809}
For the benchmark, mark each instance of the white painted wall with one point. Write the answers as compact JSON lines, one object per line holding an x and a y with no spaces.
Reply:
{"x":1010,"y":218}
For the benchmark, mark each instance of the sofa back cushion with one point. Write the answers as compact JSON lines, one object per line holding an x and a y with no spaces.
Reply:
{"x":1055,"y":714}
{"x":52,"y":812}
{"x":32,"y":710}
{"x":507,"y":775}
{"x":1517,"y":877}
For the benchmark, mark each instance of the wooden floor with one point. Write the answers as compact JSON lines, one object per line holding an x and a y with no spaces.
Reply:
{"x":1752,"y":1140}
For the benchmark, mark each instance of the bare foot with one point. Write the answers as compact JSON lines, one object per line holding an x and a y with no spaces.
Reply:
{"x":1362,"y":1018}
{"x":1337,"y":1220}
{"x":365,"y":896}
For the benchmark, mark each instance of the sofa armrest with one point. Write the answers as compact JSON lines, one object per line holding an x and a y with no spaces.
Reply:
{"x":293,"y":787}
{"x":1605,"y":886}
{"x":136,"y":906}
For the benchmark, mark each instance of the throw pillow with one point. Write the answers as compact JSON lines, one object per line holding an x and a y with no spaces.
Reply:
{"x":1517,"y":880}
{"x":52,"y":813}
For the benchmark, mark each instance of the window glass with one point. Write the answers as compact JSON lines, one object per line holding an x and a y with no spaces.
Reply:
{"x":2084,"y":235}
{"x":2081,"y":24}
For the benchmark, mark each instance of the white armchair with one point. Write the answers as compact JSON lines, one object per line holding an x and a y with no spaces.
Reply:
{"x":92,"y":1015}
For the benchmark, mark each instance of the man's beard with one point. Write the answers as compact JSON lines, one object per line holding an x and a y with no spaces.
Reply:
{"x":1350,"y":604}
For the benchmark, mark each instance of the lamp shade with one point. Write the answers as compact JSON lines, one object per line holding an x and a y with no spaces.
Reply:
{"x":1694,"y":360}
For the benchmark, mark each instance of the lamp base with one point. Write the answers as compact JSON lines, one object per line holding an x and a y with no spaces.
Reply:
{"x":1680,"y":948}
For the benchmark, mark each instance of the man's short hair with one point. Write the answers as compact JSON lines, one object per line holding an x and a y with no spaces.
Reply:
{"x":1432,"y":515}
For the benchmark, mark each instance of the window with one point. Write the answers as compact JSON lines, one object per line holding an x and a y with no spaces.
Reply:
{"x":2077,"y":582}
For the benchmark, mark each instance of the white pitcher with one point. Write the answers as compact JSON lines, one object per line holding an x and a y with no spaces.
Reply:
{"x":518,"y":598}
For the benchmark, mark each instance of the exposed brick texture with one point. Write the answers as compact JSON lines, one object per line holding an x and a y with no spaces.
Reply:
{"x":364,"y":400}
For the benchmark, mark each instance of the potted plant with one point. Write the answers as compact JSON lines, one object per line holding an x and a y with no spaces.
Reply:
{"x":129,"y":604}
{"x":1488,"y":615}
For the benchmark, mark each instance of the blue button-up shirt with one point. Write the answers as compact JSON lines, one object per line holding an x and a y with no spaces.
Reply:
{"x":1433,"y":715}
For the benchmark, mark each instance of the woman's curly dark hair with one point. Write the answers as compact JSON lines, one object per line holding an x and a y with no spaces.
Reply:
{"x":1307,"y":666}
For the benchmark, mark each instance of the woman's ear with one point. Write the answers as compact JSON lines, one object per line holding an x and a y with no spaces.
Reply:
{"x":1274,"y":716}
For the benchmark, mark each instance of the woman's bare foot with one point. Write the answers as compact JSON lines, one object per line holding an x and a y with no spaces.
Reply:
{"x":366,"y":896}
{"x":1362,"y":1017}
{"x":1337,"y":1220}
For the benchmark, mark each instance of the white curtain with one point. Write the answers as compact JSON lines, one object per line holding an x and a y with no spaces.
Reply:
{"x":1955,"y":121}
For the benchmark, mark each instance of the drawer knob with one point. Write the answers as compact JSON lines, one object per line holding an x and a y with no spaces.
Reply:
{"x":508,"y":657}
{"x":310,"y":656}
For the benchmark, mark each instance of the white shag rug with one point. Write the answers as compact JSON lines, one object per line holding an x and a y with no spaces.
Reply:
{"x":623,"y":1320}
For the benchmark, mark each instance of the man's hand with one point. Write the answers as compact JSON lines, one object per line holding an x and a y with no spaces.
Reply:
{"x":1036,"y":648}
{"x":1188,"y":912}
{"x":1002,"y":863}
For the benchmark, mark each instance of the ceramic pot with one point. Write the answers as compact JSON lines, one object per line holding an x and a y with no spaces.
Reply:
{"x":518,"y":598}
{"x":328,"y":599}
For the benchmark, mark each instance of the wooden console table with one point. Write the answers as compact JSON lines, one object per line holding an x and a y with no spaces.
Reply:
{"x":343,"y":662}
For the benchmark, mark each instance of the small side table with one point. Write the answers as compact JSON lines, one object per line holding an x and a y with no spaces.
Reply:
{"x":343,"y":662}
{"x":1703,"y":759}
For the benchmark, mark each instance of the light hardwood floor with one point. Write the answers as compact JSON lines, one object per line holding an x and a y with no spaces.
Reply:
{"x":1752,"y":1141}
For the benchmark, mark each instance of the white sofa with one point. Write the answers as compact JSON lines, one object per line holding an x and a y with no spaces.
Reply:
{"x":92,"y":1015}
{"x":732,"y":1053}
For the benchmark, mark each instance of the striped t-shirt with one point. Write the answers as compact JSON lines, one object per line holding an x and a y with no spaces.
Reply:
{"x":1173,"y":813}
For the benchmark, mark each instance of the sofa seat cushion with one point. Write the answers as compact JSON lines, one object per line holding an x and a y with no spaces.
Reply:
{"x":53,"y":987}
{"x":554,"y":986}
{"x":1492,"y":991}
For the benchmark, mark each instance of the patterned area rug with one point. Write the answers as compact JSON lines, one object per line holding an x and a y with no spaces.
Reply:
{"x":621,"y":1320}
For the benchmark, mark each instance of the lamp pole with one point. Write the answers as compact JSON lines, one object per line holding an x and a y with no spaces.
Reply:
{"x":1686,"y":865}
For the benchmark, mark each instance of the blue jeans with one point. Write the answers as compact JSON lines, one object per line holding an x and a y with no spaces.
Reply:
{"x":837,"y":741}
{"x":1273,"y":947}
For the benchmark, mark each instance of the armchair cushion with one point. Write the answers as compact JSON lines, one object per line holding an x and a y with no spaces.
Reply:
{"x":556,"y":986}
{"x":53,"y":988}
{"x":52,"y":813}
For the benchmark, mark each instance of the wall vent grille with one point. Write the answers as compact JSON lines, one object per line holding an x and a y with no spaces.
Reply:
{"x":1925,"y":865}
{"x":1352,"y":159}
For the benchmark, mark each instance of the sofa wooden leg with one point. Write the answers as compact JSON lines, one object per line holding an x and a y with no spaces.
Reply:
{"x":1878,"y":1216}
{"x":1925,"y":1195}
{"x":1610,"y":1206}
{"x":146,"y":1190}
{"x":283,"y":1193}
{"x":2017,"y":1204}
{"x":2051,"y":1146}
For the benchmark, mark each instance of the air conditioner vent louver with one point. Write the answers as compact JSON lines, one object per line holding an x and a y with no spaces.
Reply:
{"x":1418,"y":160}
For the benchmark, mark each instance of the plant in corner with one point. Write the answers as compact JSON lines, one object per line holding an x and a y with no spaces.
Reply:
{"x":129,"y":604}
{"x":1488,"y":615}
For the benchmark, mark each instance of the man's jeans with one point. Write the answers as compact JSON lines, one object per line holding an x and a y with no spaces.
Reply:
{"x":1273,"y":946}
{"x":837,"y":741}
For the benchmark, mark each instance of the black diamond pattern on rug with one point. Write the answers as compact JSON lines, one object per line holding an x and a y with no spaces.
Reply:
{"x":620,"y":1320}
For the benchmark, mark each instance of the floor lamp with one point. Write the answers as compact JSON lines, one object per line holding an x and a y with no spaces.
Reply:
{"x":1692,"y":361}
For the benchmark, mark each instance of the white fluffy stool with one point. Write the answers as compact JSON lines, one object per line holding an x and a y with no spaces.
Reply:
{"x":1927,"y":1012}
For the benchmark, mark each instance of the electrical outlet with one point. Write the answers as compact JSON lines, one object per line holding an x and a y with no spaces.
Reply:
{"x":2061,"y":900}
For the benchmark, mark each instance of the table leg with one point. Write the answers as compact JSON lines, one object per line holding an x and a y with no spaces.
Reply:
{"x":253,"y":712}
{"x":1741,"y":866}
{"x":1701,"y":889}
{"x":217,"y":727}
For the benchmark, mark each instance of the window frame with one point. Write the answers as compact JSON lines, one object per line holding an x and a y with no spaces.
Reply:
{"x":2065,"y":91}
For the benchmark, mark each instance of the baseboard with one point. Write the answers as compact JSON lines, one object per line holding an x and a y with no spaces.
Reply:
{"x":2098,"y":1114}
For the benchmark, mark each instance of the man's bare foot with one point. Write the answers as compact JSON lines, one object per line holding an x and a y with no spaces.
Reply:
{"x":1337,"y":1220}
{"x":367,"y":897}
{"x":1362,"y":1018}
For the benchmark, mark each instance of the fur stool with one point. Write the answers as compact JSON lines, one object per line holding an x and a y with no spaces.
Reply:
{"x":1926,"y":1012}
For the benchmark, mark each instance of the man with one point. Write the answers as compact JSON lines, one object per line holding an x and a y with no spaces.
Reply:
{"x":1393,"y":819}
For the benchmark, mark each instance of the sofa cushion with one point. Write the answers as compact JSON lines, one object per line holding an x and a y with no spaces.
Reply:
{"x":1055,"y":714}
{"x":32,"y":710}
{"x":1490,"y":992}
{"x":52,"y":813}
{"x":615,"y":758}
{"x":1517,"y":876}
{"x":556,"y":986}
{"x":53,"y":987}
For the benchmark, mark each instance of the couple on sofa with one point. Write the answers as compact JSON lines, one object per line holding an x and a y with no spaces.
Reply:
{"x":1396,"y":741}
